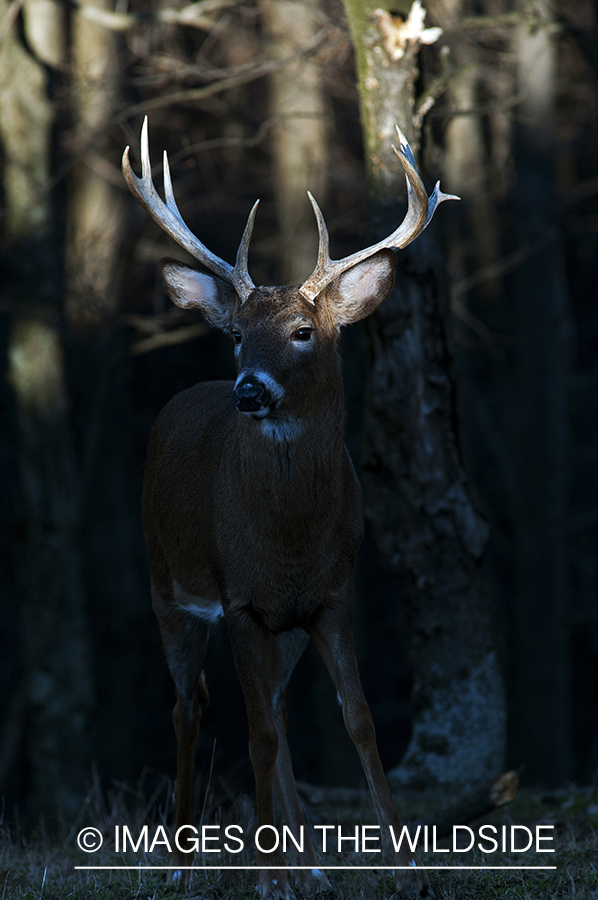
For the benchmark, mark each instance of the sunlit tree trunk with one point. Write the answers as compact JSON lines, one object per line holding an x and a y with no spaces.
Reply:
{"x":96,"y":205}
{"x":300,"y":153}
{"x":418,"y":495}
{"x":100,"y":371}
{"x":473,"y":239}
{"x":56,"y":674}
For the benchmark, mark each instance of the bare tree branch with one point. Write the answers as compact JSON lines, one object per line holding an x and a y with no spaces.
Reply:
{"x":435,"y":89}
{"x":111,"y":173}
{"x":158,"y":332}
{"x":168,"y":338}
{"x":481,"y":109}
{"x":226,"y":83}
{"x":9,"y":17}
{"x":502,"y":266}
{"x":506,"y":20}
{"x":193,"y":15}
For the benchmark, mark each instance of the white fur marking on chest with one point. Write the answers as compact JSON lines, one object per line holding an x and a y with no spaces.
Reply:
{"x":206,"y":610}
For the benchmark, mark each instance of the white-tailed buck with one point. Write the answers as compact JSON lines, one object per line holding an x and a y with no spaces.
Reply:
{"x":252,"y":510}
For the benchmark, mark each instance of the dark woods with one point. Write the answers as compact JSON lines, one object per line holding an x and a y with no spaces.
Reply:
{"x":471,"y":394}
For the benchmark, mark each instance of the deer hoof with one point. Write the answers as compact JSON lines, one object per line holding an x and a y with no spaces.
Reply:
{"x":274,"y":888}
{"x":312,"y":881}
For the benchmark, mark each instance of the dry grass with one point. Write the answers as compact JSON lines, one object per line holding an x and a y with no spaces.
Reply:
{"x":43,"y":868}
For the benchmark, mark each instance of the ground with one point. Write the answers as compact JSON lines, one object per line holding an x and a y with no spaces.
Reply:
{"x":43,"y":868}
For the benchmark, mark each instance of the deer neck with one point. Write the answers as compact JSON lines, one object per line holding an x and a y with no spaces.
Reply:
{"x":291,"y":464}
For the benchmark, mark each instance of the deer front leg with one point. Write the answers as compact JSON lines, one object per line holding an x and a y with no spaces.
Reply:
{"x":332,"y":632}
{"x":255,"y":654}
{"x":185,"y":716}
{"x":185,"y":640}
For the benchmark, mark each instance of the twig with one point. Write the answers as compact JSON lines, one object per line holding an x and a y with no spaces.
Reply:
{"x":494,"y":270}
{"x":9,"y":17}
{"x":506,"y":20}
{"x":482,"y":331}
{"x":43,"y":883}
{"x":478,"y":803}
{"x":504,"y":265}
{"x":105,"y":169}
{"x":224,"y":84}
{"x":428,"y":98}
{"x":191,"y":15}
{"x":168,"y":338}
{"x":581,"y":192}
{"x":205,"y":798}
{"x":483,"y":109}
{"x":214,"y":143}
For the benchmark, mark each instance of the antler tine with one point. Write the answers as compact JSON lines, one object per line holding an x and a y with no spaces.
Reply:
{"x":437,"y":196}
{"x":243,"y":282}
{"x":324,"y":244}
{"x":324,"y":261}
{"x":420,"y":210}
{"x":168,"y":191}
{"x":167,"y":216}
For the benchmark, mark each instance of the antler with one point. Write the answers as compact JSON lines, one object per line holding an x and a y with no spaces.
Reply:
{"x":168,"y":217}
{"x":420,"y":210}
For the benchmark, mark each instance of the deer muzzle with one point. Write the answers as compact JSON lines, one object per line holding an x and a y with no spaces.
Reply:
{"x":252,"y":396}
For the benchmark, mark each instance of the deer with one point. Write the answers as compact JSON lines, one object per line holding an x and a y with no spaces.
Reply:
{"x":252,"y":510}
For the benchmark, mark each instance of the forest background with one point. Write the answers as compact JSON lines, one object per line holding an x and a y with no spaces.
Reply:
{"x":472,"y":394}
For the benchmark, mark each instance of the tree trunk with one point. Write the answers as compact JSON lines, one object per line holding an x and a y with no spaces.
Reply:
{"x":300,"y":150}
{"x":53,"y":616}
{"x":96,"y":207}
{"x":474,"y":237}
{"x":542,"y":701}
{"x":418,"y":495}
{"x":99,"y":381}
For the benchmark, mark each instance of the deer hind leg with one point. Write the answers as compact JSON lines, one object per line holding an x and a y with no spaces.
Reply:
{"x":291,"y":645}
{"x":332,"y":633}
{"x":185,"y":641}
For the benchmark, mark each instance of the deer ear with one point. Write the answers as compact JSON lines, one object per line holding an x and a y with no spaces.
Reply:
{"x":191,"y":289}
{"x":359,"y":291}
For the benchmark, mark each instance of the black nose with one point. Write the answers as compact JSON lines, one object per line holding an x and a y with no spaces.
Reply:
{"x":251,"y":395}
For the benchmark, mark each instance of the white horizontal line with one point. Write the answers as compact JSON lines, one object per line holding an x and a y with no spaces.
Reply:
{"x":327,"y":868}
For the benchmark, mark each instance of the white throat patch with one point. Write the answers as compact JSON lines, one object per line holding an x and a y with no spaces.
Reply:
{"x":280,"y":429}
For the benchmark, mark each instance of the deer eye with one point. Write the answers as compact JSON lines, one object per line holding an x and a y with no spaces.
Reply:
{"x":303,"y":334}
{"x":237,"y":337}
